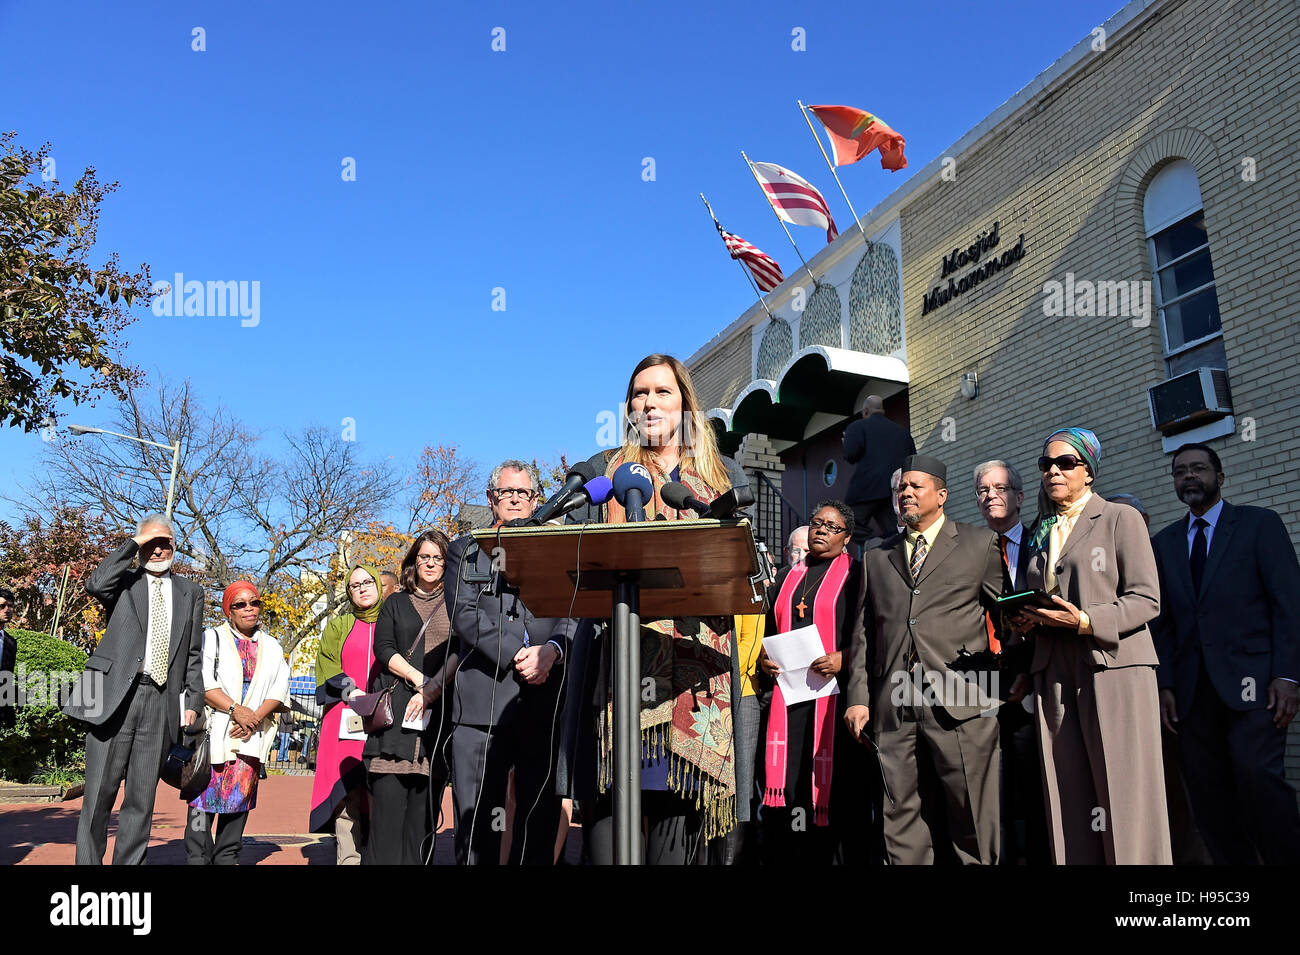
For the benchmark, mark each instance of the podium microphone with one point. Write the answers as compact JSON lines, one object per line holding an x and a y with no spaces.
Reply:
{"x":578,"y":475}
{"x":678,"y":495}
{"x":632,"y":488}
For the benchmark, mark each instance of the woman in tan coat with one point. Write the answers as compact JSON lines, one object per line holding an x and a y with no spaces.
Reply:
{"x":1094,"y":666}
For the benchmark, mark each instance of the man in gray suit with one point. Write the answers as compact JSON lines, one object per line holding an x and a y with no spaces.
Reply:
{"x":1228,"y":638}
{"x":145,"y":669}
{"x":927,"y":592}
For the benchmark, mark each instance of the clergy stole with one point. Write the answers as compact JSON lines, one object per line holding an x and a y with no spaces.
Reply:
{"x":824,"y":721}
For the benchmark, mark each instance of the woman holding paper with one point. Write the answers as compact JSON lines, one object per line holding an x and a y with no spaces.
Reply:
{"x":407,"y":768}
{"x":345,"y":665}
{"x":804,"y":761}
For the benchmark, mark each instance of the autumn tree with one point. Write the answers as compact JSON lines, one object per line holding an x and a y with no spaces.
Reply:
{"x":33,"y":558}
{"x":61,"y":317}
{"x":441,"y":483}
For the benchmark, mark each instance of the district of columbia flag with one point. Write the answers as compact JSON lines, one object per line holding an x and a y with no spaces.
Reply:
{"x":794,"y":198}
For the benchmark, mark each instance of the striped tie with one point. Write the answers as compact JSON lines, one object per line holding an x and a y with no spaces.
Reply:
{"x":918,"y":556}
{"x":158,"y":636}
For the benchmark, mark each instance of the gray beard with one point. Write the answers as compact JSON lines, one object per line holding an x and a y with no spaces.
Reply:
{"x":911,"y":520}
{"x":159,"y":566}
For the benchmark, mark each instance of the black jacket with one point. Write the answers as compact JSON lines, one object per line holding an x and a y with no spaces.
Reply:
{"x":877,"y":446}
{"x":395,"y":631}
{"x":487,"y":686}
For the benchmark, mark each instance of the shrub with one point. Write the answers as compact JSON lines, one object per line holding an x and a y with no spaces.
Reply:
{"x":42,"y":738}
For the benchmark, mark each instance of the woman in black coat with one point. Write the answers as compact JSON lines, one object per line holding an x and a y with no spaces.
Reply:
{"x":408,"y":768}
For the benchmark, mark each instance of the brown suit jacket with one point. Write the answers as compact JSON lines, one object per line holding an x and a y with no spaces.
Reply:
{"x":943,"y":612}
{"x":1108,"y":570}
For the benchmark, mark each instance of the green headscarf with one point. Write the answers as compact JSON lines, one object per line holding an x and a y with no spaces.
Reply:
{"x":1089,"y":448}
{"x":329,"y":657}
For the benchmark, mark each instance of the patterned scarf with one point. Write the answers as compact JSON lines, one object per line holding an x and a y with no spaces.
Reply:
{"x":688,"y":663}
{"x":1089,"y":448}
{"x":824,"y":720}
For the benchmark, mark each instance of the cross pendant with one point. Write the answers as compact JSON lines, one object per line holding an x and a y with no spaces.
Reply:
{"x":801,"y":607}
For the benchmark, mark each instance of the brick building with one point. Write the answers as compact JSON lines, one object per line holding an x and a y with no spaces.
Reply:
{"x":1144,"y":199}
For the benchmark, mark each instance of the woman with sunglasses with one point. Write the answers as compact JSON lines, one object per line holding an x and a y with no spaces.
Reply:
{"x":806,"y":746}
{"x":406,"y":764}
{"x":1094,"y":665}
{"x":245,"y":682}
{"x":345,"y":666}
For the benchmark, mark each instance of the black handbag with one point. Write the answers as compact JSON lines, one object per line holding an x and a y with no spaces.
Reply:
{"x":194,"y":773}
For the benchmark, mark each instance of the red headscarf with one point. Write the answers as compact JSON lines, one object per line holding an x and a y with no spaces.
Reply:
{"x":229,"y":595}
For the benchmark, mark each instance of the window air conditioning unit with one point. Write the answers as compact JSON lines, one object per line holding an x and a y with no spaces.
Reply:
{"x":1190,"y":399}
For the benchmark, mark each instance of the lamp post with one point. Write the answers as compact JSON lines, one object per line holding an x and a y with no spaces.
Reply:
{"x":175,"y":449}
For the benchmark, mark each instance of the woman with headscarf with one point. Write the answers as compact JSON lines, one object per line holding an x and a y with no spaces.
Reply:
{"x":245,"y":682}
{"x":345,"y":665}
{"x":688,"y":775}
{"x":1094,"y":665}
{"x":407,"y":767}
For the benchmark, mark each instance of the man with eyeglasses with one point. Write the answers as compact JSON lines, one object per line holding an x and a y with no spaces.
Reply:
{"x":506,"y":701}
{"x":999,"y":492}
{"x":144,"y":673}
{"x":1228,"y":639}
{"x":8,"y":660}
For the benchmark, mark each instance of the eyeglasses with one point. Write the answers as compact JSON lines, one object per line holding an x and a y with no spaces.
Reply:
{"x":361,"y":585}
{"x":434,"y":559}
{"x":504,"y":492}
{"x":1066,"y":462}
{"x":999,"y":489}
{"x":833,"y":528}
{"x":255,"y":604}
{"x":1185,"y":469}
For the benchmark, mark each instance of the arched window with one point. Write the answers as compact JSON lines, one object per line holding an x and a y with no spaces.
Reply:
{"x":1183,"y":285}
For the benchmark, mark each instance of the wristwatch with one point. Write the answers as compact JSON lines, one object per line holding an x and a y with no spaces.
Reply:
{"x":232,"y":710}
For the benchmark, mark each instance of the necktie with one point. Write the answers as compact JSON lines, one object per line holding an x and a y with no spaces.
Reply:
{"x":1198,"y":553}
{"x":158,"y":636}
{"x":918,"y":556}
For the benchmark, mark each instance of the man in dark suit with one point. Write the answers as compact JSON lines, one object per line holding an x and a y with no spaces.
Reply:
{"x":8,"y":660}
{"x":877,"y":447}
{"x":1228,"y":639}
{"x":145,"y":670}
{"x":927,"y":593}
{"x":506,"y":703}
{"x":999,"y":492}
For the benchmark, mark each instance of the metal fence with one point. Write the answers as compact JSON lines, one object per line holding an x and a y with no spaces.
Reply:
{"x":775,"y":517}
{"x":294,"y":753}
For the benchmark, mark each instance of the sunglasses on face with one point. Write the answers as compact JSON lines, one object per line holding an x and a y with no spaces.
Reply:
{"x":1066,"y":462}
{"x":255,"y":604}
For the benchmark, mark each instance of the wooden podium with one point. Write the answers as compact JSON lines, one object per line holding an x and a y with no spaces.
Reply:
{"x":692,"y":568}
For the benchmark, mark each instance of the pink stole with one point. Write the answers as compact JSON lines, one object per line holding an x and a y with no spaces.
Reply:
{"x":824,"y":721}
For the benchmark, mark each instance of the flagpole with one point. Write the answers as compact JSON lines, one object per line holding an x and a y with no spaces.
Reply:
{"x":749,"y":278}
{"x":779,"y":219}
{"x":831,"y":166}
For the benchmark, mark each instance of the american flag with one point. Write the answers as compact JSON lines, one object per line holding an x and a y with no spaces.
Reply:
{"x":764,"y":268}
{"x":794,"y":198}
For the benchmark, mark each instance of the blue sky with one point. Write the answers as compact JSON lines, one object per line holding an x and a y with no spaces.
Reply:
{"x":475,"y":170}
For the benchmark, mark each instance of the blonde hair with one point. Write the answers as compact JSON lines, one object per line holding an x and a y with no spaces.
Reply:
{"x":699,"y":445}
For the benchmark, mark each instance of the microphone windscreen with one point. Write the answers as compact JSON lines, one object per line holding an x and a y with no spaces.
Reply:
{"x":674,"y":494}
{"x":599,"y":489}
{"x":630,"y":476}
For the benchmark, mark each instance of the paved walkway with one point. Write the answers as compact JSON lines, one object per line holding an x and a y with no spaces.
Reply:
{"x":45,"y":833}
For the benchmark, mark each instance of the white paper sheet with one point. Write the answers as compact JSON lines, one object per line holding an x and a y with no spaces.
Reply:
{"x":419,"y":724}
{"x":794,"y":653}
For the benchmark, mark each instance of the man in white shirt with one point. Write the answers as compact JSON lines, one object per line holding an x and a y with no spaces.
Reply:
{"x":999,"y":492}
{"x":141,"y":686}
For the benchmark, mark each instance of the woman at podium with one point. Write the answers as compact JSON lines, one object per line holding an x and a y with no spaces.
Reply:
{"x":688,"y":665}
